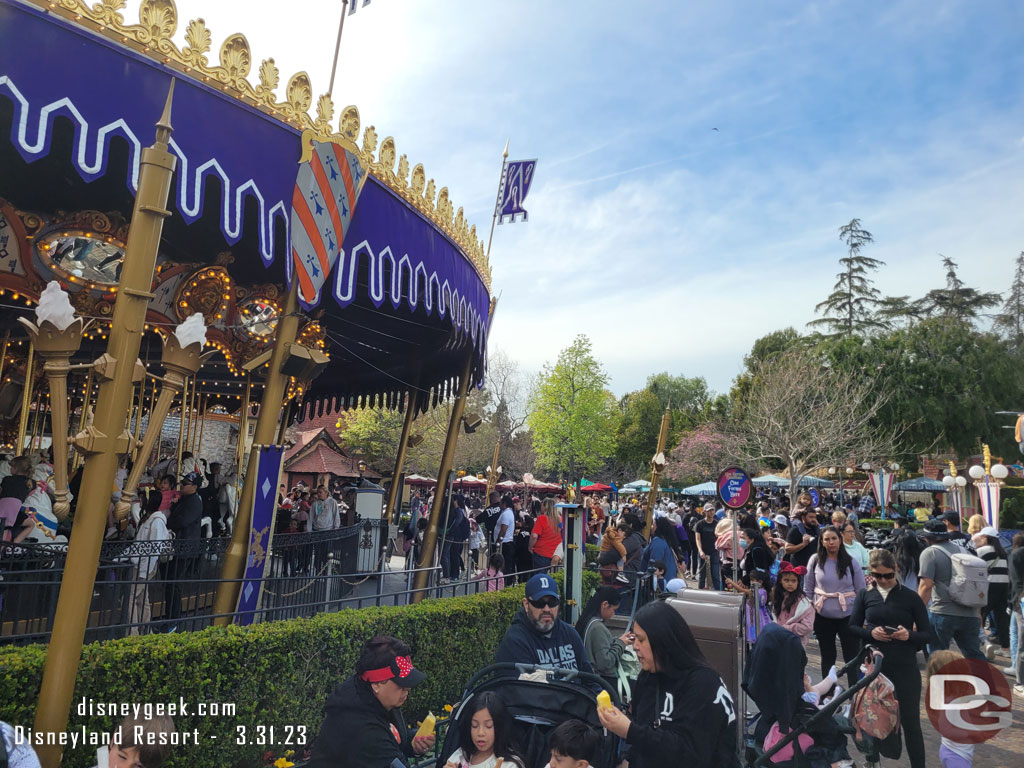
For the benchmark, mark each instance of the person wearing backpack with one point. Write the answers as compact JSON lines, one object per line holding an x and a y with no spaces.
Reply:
{"x":954,"y":586}
{"x":888,"y":605}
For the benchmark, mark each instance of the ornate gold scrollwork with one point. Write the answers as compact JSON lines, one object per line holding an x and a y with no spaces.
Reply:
{"x":158,"y":23}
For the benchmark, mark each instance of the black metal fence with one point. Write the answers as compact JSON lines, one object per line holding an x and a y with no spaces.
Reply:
{"x":163,"y":586}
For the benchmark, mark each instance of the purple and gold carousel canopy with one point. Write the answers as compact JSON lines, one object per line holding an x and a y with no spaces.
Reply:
{"x":238,"y":150}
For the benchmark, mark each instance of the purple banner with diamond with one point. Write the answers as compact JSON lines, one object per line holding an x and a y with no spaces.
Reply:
{"x":261,"y":530}
{"x":515,"y":186}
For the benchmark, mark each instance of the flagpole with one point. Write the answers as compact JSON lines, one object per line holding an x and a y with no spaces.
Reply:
{"x":337,"y":47}
{"x":497,"y":202}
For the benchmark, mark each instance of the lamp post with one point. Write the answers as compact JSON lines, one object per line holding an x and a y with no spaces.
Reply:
{"x":988,"y":481}
{"x":832,"y":471}
{"x":182,"y":358}
{"x":955,"y":483}
{"x":56,"y":336}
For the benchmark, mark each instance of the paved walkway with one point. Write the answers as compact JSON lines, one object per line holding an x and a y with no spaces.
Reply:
{"x":1004,"y":751}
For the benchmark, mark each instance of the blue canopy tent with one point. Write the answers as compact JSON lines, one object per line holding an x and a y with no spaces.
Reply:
{"x":770,"y":481}
{"x":921,"y":484}
{"x":814,"y":482}
{"x":709,"y":488}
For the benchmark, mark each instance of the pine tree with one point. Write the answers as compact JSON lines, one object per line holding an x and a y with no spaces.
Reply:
{"x":1011,"y":320}
{"x":956,"y":300}
{"x":849,"y":309}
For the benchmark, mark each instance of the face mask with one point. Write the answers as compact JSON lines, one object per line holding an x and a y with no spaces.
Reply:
{"x":743,"y":543}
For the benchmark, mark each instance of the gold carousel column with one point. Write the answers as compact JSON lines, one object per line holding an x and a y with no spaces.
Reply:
{"x":86,"y":398}
{"x":266,"y":424}
{"x":56,"y":347}
{"x":179,"y":363}
{"x":657,"y":464}
{"x":430,"y":537}
{"x":3,"y":353}
{"x":390,"y":512}
{"x":181,"y":426}
{"x":243,"y":429}
{"x":26,"y":400}
{"x":102,"y":442}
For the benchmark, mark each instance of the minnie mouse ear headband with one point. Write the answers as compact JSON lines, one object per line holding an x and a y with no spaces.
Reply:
{"x":400,"y":670}
{"x":799,"y":570}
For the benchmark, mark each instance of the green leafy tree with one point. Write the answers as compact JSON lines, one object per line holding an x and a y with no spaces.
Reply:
{"x":1010,"y":322}
{"x":375,"y":433}
{"x":956,"y":300}
{"x":637,"y":436}
{"x":850,"y":308}
{"x":573,"y":416}
{"x":944,"y":380}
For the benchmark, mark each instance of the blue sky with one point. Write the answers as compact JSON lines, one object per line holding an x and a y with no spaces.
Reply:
{"x":674,"y":246}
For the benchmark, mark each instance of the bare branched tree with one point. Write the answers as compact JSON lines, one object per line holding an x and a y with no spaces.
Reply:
{"x":812,"y":417}
{"x":508,"y":388}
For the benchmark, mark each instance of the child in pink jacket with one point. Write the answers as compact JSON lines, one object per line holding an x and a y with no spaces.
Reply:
{"x":792,"y":608}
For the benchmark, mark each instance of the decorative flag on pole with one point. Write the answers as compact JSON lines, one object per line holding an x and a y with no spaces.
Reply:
{"x":261,"y":530}
{"x":354,"y":4}
{"x":515,"y":186}
{"x":881,"y":486}
{"x":988,"y":497}
{"x":326,"y":190}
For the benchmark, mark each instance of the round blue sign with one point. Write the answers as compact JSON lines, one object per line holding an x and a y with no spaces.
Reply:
{"x":815,"y":497}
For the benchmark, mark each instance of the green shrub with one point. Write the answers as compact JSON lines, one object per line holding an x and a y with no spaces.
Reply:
{"x":278,"y":673}
{"x":1011,"y":508}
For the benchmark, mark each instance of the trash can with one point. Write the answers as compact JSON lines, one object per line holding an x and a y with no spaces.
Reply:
{"x":716,"y":620}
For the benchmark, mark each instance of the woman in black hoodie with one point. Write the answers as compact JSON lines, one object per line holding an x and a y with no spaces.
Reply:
{"x":682,"y":711}
{"x":363,"y":725}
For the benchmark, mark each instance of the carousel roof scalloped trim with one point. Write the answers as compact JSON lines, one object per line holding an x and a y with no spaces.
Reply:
{"x":158,"y":22}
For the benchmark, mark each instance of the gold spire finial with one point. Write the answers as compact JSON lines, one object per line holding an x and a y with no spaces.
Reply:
{"x":163,"y":125}
{"x":505,"y":153}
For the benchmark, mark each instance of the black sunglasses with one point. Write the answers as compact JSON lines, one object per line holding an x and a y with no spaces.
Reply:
{"x":546,"y":602}
{"x":889,"y":575}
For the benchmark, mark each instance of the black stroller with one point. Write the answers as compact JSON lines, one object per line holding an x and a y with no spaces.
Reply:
{"x":537,"y":708}
{"x":825,"y":725}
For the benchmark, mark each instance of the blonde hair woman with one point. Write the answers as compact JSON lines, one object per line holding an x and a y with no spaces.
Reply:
{"x":975,"y":523}
{"x":893,"y":617}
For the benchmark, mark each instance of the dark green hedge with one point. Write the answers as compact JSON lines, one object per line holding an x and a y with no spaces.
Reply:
{"x":278,"y":673}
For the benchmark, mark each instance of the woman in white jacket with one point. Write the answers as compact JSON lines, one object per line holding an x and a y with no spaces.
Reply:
{"x":146,"y":557}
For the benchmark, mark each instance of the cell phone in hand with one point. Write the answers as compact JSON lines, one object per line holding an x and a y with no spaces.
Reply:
{"x":890,"y":630}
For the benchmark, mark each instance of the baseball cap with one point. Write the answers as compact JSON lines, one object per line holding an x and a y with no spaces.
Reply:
{"x":541,"y":585}
{"x":400,"y":669}
{"x":192,"y":478}
{"x":781,"y":520}
{"x":708,"y":506}
{"x":988,"y":530}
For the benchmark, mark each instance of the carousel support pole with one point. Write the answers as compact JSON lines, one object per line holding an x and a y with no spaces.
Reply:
{"x":430,"y":538}
{"x":190,"y":434}
{"x":203,"y":405}
{"x":179,"y":363}
{"x":266,"y":424}
{"x":81,"y":419}
{"x":105,"y":440}
{"x":391,"y":505}
{"x":35,"y":422}
{"x":138,"y":419}
{"x":243,"y":428}
{"x":26,"y":399}
{"x":3,"y":353}
{"x":181,"y":428}
{"x":656,"y":466}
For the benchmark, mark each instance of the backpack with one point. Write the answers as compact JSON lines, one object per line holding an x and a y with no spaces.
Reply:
{"x":968,"y":582}
{"x":626,"y":671}
{"x":875,"y":711}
